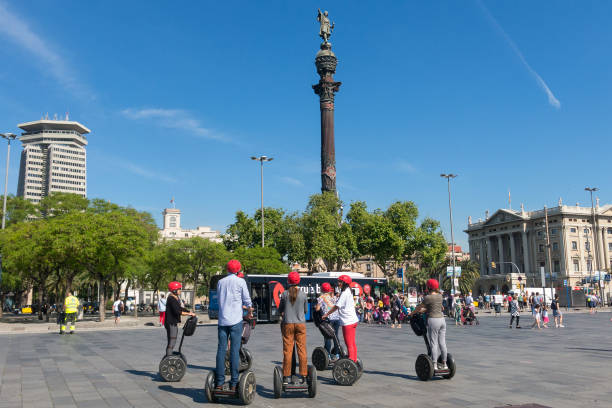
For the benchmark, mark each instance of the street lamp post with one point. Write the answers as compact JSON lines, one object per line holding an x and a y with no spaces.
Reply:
{"x":8,"y":137}
{"x":262,"y":159}
{"x":448,"y":178}
{"x":595,"y":230}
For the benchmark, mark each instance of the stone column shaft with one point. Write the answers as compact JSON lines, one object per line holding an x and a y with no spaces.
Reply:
{"x":512,"y":251}
{"x":500,"y":250}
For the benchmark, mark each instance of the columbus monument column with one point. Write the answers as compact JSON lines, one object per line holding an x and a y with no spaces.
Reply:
{"x":326,"y":88}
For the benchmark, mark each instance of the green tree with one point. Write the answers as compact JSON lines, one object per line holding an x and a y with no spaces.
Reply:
{"x":198,"y":259}
{"x":430,"y":247}
{"x":260,"y":260}
{"x":470,"y":272}
{"x":56,"y":204}
{"x":325,"y":236}
{"x":18,"y":210}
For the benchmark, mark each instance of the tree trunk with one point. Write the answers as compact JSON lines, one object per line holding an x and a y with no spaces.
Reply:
{"x":40,"y":300}
{"x":1,"y":304}
{"x":102,"y":301}
{"x":69,"y":280}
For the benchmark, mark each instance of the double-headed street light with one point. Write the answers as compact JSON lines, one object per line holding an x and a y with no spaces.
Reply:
{"x":595,"y":239}
{"x":8,"y":137}
{"x":448,"y":178}
{"x":262,"y":159}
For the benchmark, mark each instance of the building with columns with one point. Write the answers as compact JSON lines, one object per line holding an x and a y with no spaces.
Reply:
{"x":173,"y":230}
{"x":517,"y":242}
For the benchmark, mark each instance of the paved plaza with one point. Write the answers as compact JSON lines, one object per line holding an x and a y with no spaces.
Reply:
{"x":496,"y":367}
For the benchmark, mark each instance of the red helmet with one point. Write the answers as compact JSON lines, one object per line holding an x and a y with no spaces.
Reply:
{"x":240,"y":275}
{"x":432,"y":284}
{"x":234,"y":266}
{"x":174,"y":286}
{"x":326,"y":287}
{"x":346,"y":279}
{"x":293,"y":278}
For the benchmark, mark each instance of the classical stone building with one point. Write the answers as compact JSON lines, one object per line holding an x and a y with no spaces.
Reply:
{"x":517,"y":242}
{"x":172,"y":228}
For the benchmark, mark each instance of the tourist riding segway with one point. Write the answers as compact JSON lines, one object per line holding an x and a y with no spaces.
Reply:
{"x":172,"y":368}
{"x":246,"y":358}
{"x":424,"y":366}
{"x":310,"y":385}
{"x":344,"y":370}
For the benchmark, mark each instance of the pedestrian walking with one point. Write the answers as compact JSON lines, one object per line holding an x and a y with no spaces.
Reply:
{"x":161,"y":307}
{"x":545,"y":319}
{"x":396,"y":307}
{"x":514,"y":312}
{"x":71,"y":306}
{"x":497,"y":303}
{"x":118,"y":309}
{"x":557,"y":315}
{"x":537,"y":316}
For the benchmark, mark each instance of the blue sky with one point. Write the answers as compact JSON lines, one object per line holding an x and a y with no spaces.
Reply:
{"x":178,"y":95}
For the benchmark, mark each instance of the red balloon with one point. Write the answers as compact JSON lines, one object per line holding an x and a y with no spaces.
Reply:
{"x":358,"y":286}
{"x":366,"y":289}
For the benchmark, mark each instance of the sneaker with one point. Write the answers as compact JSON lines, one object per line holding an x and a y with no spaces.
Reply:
{"x":518,"y":327}
{"x":561,"y":325}
{"x":286,"y":380}
{"x":442,"y":366}
{"x":393,"y":326}
{"x":510,"y":326}
{"x":399,"y":326}
{"x":300,"y":379}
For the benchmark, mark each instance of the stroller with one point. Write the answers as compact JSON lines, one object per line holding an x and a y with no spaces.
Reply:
{"x":468,"y":316}
{"x":246,"y":358}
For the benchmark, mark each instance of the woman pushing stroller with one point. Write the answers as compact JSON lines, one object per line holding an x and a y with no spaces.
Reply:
{"x":293,"y":308}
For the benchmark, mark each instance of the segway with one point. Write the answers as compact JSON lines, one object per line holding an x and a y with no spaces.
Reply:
{"x":172,"y":368}
{"x":245,"y":391}
{"x":424,"y":366}
{"x":246,"y":358}
{"x":309,"y":386}
{"x":344,"y":370}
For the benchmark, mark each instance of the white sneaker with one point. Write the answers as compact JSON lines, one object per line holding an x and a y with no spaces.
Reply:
{"x":561,"y":325}
{"x":442,"y":366}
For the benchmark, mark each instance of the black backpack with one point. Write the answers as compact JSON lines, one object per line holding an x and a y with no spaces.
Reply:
{"x":190,"y":326}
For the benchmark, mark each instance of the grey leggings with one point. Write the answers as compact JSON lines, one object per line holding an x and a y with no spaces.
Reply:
{"x":171,"y":332}
{"x":436,"y":335}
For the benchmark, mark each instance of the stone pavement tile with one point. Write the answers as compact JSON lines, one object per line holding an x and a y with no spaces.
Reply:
{"x":118,"y":402}
{"x":93,"y":404}
{"x":86,"y":396}
{"x":63,"y":400}
{"x":10,"y":404}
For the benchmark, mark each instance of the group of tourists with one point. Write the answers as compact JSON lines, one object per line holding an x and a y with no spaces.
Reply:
{"x":388,"y":309}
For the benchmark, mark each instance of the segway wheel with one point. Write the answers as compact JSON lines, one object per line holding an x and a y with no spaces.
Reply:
{"x":452,"y":368}
{"x":360,"y":367}
{"x":345,"y":371}
{"x":312,"y":381}
{"x":172,"y":368}
{"x":424,"y":367}
{"x":182,"y":356}
{"x":246,"y":387}
{"x":278,"y":382}
{"x":209,"y":386}
{"x":246,"y":360}
{"x":320,"y":358}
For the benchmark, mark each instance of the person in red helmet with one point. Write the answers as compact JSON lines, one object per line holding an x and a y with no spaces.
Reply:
{"x":174,"y":311}
{"x":233,"y":295}
{"x":346,"y":312}
{"x":436,"y":325}
{"x":293,"y":308}
{"x":325,"y":302}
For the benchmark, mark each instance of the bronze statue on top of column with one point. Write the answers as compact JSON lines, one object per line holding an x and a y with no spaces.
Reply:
{"x":326,"y":63}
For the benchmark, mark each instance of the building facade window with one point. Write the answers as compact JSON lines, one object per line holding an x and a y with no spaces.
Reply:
{"x":540,"y":248}
{"x":573,"y":230}
{"x":574,"y":245}
{"x":556,"y":266}
{"x":368,"y":267}
{"x":553,"y":231}
{"x":576,"y":266}
{"x":587,"y":246}
{"x":609,"y":246}
{"x":586,"y":230}
{"x":610,"y":231}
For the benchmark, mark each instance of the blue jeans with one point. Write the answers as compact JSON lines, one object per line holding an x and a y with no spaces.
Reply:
{"x":234,"y":334}
{"x":329,"y":342}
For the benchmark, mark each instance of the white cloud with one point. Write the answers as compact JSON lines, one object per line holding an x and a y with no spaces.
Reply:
{"x":17,"y":29}
{"x":552,"y":100}
{"x":174,"y":119}
{"x":292,"y":181}
{"x":404,"y":166}
{"x":146,"y":173}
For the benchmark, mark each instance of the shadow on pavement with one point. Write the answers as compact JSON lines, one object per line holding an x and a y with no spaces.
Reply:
{"x":264,"y":392}
{"x":199,"y":367}
{"x":589,"y":349}
{"x":388,"y":374}
{"x":197,"y":394}
{"x":153,"y":375}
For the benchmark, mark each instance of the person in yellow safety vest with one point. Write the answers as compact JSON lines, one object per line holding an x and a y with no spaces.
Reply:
{"x":71,"y":305}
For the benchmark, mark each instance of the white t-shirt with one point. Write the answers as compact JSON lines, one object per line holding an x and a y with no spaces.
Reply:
{"x":117,"y":306}
{"x":499,"y":299}
{"x":346,"y":308}
{"x":161,"y":305}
